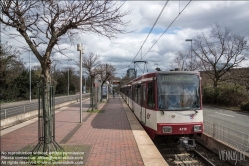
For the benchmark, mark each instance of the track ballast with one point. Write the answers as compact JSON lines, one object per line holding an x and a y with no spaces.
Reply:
{"x":199,"y":157}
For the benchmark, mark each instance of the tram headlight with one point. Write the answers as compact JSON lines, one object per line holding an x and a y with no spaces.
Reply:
{"x":197,"y":128}
{"x":167,"y":129}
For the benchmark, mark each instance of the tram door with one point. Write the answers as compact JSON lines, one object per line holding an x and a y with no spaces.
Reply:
{"x":143,"y":102}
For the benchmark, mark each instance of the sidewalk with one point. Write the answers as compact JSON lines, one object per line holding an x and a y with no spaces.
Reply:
{"x":107,"y":133}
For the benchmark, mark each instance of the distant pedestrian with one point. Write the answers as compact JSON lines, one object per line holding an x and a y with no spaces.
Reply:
{"x":113,"y":92}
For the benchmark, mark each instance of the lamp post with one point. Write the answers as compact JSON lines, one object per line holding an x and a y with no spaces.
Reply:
{"x":191,"y":54}
{"x":79,"y":48}
{"x":30,"y":72}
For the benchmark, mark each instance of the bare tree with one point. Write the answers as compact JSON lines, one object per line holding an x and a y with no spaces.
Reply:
{"x":53,"y":22}
{"x":180,"y":60}
{"x":106,"y":71}
{"x":185,"y":61}
{"x":222,"y":50}
{"x":91,"y":65}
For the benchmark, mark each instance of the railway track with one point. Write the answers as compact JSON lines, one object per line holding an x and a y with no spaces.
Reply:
{"x":200,"y":157}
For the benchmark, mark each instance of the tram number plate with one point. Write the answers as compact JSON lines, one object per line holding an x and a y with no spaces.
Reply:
{"x":183,"y":129}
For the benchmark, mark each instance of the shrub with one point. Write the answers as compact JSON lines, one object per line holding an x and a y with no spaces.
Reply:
{"x":228,"y":95}
{"x":244,"y":106}
{"x":225,"y":94}
{"x":208,"y":95}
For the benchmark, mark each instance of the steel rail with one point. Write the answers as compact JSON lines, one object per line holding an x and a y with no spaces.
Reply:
{"x":209,"y":163}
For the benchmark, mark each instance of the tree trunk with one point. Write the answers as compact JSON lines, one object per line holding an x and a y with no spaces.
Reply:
{"x":47,"y":109}
{"x":101,"y":90}
{"x":46,"y":115}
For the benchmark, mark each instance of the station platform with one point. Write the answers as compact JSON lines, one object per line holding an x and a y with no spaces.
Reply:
{"x":112,"y":136}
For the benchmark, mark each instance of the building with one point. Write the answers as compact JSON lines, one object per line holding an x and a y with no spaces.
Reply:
{"x":131,"y":73}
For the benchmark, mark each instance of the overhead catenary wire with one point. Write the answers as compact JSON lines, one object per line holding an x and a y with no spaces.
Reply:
{"x":151,"y":30}
{"x":122,"y":68}
{"x":167,"y":28}
{"x":162,"y":33}
{"x":140,"y":68}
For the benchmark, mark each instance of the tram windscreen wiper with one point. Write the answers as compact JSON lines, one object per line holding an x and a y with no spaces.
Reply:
{"x":195,"y":109}
{"x":160,"y":108}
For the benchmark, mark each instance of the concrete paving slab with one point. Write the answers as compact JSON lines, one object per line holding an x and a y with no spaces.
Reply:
{"x":154,"y":162}
{"x":142,"y":137}
{"x":149,"y":151}
{"x":135,"y":126}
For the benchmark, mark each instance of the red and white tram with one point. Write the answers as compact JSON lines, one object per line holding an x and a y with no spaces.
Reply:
{"x":167,"y":102}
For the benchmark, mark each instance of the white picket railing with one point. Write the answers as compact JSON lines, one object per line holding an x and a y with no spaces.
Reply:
{"x":235,"y":138}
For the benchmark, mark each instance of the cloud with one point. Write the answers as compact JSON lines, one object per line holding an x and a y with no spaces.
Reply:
{"x":199,"y":16}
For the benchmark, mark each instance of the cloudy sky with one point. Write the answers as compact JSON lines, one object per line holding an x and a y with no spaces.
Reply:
{"x":197,"y":17}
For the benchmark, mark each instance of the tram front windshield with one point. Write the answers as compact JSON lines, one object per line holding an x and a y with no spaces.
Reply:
{"x":178,"y":92}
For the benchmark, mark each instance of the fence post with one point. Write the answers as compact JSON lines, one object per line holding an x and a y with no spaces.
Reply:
{"x":243,"y":138}
{"x":247,"y":141}
{"x":24,"y":108}
{"x":4,"y":113}
{"x":213,"y":129}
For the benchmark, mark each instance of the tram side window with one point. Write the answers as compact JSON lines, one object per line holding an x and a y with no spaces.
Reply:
{"x":138,"y":96}
{"x":143,"y":95}
{"x":130,"y":93}
{"x":151,"y":101}
{"x":134,"y":94}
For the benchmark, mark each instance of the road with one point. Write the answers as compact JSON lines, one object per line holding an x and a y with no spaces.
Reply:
{"x":232,"y":119}
{"x":15,"y":108}
{"x":26,"y":102}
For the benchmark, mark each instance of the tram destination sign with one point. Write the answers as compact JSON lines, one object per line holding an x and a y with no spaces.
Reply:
{"x":178,"y":78}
